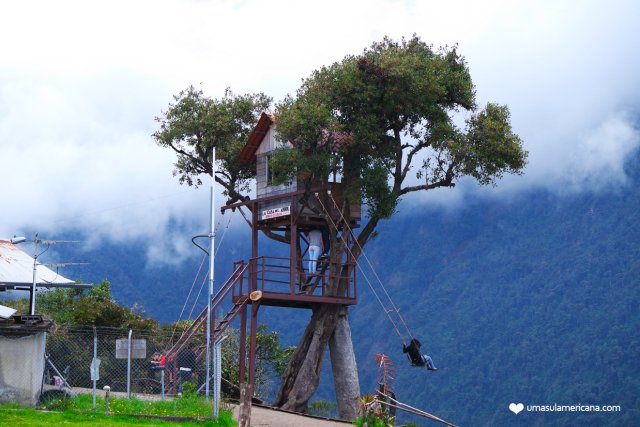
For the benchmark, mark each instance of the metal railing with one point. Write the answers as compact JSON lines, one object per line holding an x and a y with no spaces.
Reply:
{"x":272,"y":274}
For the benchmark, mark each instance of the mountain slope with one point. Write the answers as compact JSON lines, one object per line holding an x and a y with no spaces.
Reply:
{"x":531,"y":300}
{"x":534,"y":301}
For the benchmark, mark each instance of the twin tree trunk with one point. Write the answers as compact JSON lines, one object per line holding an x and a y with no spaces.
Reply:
{"x":328,"y":325}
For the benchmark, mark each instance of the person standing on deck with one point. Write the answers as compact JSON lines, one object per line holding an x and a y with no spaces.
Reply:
{"x":315,"y":249}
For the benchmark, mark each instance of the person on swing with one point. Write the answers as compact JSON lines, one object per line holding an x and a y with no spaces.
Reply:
{"x":417,"y":358}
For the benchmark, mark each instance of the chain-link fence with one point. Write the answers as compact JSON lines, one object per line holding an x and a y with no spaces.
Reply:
{"x":70,"y":355}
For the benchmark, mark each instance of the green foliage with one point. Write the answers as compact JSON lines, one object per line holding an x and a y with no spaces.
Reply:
{"x":271,"y":359}
{"x":57,"y":401}
{"x":322,"y":408}
{"x":533,"y":299}
{"x":94,"y":307}
{"x":270,"y":352}
{"x":79,"y":411}
{"x":371,"y":413}
{"x":188,"y":405}
{"x":189,"y":390}
{"x":195,"y":124}
{"x":369,"y":421}
{"x":372,"y":116}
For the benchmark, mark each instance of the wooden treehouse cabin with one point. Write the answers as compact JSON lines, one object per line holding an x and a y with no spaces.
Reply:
{"x":290,"y":211}
{"x":286,"y":213}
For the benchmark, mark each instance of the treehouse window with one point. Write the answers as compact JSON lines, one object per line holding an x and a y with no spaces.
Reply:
{"x":270,"y":173}
{"x":269,"y":170}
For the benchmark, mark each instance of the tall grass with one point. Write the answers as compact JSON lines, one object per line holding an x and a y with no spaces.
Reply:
{"x":190,"y":405}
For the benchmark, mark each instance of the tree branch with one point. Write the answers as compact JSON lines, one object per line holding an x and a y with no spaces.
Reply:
{"x":410,"y":156}
{"x":447,"y":181}
{"x":199,"y":166}
{"x":234,"y":196}
{"x":397,"y":175}
{"x":363,"y":237}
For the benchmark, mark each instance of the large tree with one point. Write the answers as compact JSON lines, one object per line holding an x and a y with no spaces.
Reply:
{"x":387,"y":122}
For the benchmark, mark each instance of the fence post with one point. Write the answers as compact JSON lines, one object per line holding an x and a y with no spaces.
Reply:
{"x":129,"y":365}
{"x":162,"y":381}
{"x":217,"y":373}
{"x":95,"y":356}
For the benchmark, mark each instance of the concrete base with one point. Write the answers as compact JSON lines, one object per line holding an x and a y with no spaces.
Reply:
{"x":21,"y":367}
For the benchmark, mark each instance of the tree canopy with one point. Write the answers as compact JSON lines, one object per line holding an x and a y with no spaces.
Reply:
{"x":388,"y":118}
{"x":195,"y":124}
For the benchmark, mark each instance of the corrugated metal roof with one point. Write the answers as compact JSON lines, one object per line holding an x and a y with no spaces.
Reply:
{"x":16,"y":270}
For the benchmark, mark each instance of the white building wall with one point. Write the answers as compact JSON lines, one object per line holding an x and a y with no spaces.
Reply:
{"x":21,"y":368}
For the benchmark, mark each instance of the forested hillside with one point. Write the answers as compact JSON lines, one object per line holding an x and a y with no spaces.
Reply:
{"x":531,"y":300}
{"x":534,"y":301}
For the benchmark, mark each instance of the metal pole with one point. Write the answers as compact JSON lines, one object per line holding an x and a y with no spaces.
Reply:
{"x":162,"y":381}
{"x":129,"y":365}
{"x":217,"y":373}
{"x":32,"y":302}
{"x":64,"y":380}
{"x":95,"y":356}
{"x":210,"y":315}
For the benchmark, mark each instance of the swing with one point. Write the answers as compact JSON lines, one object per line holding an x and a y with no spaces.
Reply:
{"x":419,"y":364}
{"x":419,"y":360}
{"x":413,"y":353}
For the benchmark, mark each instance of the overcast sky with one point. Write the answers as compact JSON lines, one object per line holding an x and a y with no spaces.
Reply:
{"x":81,"y":83}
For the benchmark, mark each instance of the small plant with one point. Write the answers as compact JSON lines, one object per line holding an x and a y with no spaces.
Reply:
{"x":55,"y":400}
{"x":322,"y":408}
{"x":371,"y":413}
{"x":189,"y":390}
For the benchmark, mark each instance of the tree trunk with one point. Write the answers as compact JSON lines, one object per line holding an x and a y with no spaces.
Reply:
{"x":302,"y":376}
{"x":328,"y":325}
{"x":345,"y":370}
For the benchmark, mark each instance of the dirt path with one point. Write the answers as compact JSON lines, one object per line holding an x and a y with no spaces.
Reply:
{"x":260,"y":416}
{"x":266,"y":417}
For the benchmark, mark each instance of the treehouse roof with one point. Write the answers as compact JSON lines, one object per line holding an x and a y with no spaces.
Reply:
{"x":248,"y":153}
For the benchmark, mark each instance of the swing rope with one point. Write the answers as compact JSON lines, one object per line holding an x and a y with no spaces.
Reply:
{"x":363,"y":273}
{"x":184,"y":306}
{"x":204,"y":280}
{"x":393,"y":403}
{"x":362,"y":252}
{"x":217,"y":249}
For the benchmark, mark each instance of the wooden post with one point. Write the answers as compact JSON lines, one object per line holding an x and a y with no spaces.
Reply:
{"x":246,"y":388}
{"x":252,"y":344}
{"x":293,"y":245}
{"x":253,"y":272}
{"x":243,"y":346}
{"x":244,"y":409}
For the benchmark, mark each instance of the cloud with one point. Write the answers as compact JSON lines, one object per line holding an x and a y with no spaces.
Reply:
{"x":81,"y":82}
{"x":567,"y":73}
{"x":598,"y":159}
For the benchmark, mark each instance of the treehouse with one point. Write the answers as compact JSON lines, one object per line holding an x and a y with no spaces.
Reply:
{"x":287,"y":213}
{"x":274,"y":200}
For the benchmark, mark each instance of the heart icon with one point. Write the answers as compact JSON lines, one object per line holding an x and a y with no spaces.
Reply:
{"x":516,"y":408}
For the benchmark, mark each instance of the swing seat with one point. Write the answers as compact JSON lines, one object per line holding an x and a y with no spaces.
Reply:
{"x":420,"y":364}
